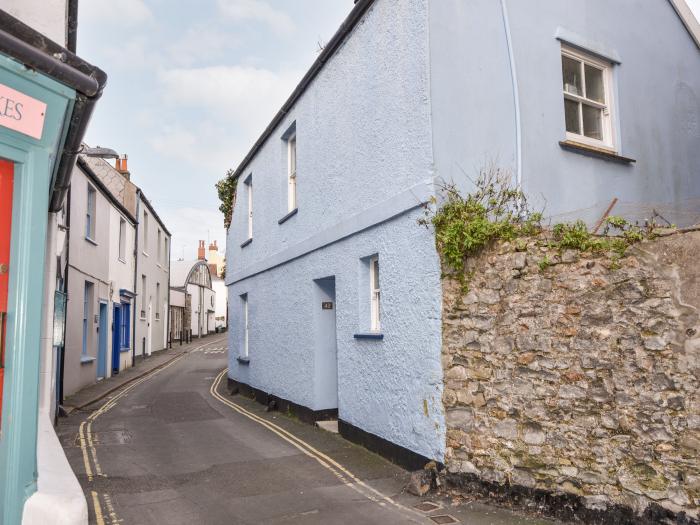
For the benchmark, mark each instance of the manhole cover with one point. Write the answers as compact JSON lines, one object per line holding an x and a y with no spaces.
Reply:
{"x":426,"y":506}
{"x":443,"y":518}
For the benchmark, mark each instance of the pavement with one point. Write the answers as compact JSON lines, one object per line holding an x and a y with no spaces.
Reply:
{"x":172,"y":446}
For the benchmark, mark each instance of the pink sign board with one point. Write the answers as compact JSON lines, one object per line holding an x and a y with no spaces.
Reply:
{"x":21,"y":113}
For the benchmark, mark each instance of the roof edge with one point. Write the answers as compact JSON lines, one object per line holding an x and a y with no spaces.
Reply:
{"x":688,"y":18}
{"x":360,"y":8}
{"x":90,"y":173}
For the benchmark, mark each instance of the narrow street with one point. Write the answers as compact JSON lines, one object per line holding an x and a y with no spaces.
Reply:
{"x":173,"y":448}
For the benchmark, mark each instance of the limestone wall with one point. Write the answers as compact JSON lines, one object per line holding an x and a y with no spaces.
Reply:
{"x":580,"y":377}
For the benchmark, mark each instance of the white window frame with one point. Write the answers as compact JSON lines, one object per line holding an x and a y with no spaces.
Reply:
{"x":91,"y":212}
{"x":145,"y":233}
{"x":144,"y":284}
{"x":122,"y":240}
{"x":249,"y":185}
{"x":159,"y":249}
{"x":375,"y":324}
{"x":245,"y":350}
{"x":607,"y":106}
{"x":292,"y":172}
{"x":157,"y":301}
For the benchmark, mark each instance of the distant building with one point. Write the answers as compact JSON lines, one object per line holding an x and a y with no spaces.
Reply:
{"x":194,"y":279}
{"x":217,"y":268}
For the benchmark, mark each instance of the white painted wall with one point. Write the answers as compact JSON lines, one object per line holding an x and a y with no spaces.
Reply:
{"x":49,"y":17}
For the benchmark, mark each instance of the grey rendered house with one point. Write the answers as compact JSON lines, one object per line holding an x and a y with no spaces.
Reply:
{"x":334,"y":290}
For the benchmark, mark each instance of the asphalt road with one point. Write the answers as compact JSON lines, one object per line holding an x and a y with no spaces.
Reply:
{"x":172,"y":448}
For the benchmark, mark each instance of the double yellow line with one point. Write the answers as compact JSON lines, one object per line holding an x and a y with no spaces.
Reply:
{"x":87,"y":441}
{"x":342,"y":473}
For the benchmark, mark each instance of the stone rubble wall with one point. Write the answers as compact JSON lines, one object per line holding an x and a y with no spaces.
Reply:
{"x":580,"y":378}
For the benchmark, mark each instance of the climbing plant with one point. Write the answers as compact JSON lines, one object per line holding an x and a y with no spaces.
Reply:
{"x":226,"y":188}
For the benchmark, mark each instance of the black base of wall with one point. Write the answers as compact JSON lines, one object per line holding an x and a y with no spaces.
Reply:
{"x":564,"y":507}
{"x":395,"y":453}
{"x":304,"y":414}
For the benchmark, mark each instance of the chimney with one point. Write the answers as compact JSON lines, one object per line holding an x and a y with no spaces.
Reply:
{"x":213,"y":247}
{"x":121,"y":167}
{"x":200,"y":251}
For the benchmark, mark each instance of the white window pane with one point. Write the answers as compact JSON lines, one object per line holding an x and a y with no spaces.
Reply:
{"x":572,"y":75}
{"x":573,"y":123}
{"x":595,"y":89}
{"x":592,"y":122}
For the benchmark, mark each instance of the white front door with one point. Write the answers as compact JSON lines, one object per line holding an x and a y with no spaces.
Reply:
{"x":148,"y":331}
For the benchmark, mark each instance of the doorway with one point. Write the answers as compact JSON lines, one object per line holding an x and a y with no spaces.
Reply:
{"x":102,"y":342}
{"x":326,"y":345}
{"x":148,"y":330}
{"x":116,"y":338}
{"x":6,"y":185}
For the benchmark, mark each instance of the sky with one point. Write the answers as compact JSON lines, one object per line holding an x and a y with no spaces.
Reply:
{"x":191,"y":87}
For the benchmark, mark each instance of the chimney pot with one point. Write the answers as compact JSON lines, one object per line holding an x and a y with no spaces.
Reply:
{"x":200,"y":251}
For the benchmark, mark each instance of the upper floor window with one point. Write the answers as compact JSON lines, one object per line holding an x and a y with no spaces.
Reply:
{"x":166,"y":253}
{"x":375,"y":311}
{"x":587,"y":85}
{"x":90,"y":213}
{"x":145,"y":233}
{"x":160,"y":247}
{"x":122,"y":240}
{"x":292,"y":173}
{"x":249,"y":187}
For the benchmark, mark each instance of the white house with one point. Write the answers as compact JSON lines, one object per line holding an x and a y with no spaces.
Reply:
{"x":194,"y":279}
{"x":99,"y":280}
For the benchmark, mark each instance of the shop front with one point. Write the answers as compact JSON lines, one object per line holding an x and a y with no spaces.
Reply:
{"x":46,"y":97}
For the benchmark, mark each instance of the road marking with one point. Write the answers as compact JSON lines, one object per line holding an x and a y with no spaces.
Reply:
{"x":330,"y":464}
{"x":98,"y":508}
{"x":86,"y":438}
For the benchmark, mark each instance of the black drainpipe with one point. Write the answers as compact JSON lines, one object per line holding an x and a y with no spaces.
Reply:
{"x":62,"y":360}
{"x":136,"y":276}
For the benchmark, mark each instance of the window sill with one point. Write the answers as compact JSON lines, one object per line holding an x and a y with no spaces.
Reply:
{"x":288,"y":216}
{"x":91,"y":241}
{"x":85,"y":359}
{"x":243,"y":360}
{"x":121,"y":260}
{"x":246,"y":242}
{"x":144,"y":254}
{"x":142,"y":318}
{"x":592,"y":151}
{"x":376,"y":336}
{"x":124,"y":350}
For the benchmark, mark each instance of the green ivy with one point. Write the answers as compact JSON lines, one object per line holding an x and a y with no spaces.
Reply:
{"x":226,"y":188}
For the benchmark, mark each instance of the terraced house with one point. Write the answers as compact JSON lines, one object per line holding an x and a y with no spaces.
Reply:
{"x":335,"y":291}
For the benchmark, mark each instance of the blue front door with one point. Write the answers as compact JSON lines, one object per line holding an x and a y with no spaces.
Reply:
{"x":102,"y":348}
{"x":116,"y":342}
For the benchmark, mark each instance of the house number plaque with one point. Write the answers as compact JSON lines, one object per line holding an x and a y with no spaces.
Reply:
{"x":327,"y":305}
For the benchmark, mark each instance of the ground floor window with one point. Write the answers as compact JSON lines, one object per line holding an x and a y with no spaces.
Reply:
{"x":375,"y":311}
{"x":246,"y":327}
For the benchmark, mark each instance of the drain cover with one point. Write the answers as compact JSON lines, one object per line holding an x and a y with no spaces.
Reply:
{"x":443,"y":518}
{"x":426,"y":506}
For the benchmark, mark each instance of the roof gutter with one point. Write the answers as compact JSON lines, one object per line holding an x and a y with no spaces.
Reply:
{"x":37,"y":52}
{"x":361,"y":7}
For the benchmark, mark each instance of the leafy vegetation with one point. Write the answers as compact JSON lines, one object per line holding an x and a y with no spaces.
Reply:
{"x":226,"y":188}
{"x":465,"y":225}
{"x":497,"y":210}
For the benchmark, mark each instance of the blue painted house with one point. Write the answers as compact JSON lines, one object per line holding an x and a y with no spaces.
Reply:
{"x":334,"y":290}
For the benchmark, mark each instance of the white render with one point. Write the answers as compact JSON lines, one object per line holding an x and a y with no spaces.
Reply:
{"x":49,"y":17}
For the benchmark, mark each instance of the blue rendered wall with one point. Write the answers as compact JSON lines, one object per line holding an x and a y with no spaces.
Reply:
{"x":364,"y":164}
{"x":657,"y":96}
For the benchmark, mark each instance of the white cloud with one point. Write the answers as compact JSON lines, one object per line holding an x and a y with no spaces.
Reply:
{"x":247,"y":95}
{"x":189,"y":225}
{"x":205,"y":145}
{"x":258,"y":10}
{"x":200,"y":44}
{"x":121,"y":13}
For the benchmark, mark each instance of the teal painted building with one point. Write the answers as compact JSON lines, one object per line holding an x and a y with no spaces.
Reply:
{"x":47,"y":96}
